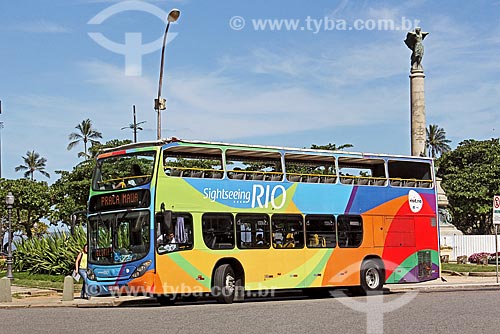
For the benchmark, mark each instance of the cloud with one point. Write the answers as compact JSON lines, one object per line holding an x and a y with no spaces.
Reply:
{"x":217,"y":106}
{"x":273,"y":62}
{"x":112,"y":76}
{"x":41,"y":27}
{"x":223,"y":108}
{"x":287,"y":90}
{"x":326,"y":68}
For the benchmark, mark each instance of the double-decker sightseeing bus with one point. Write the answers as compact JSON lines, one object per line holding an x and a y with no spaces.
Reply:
{"x":178,"y":217}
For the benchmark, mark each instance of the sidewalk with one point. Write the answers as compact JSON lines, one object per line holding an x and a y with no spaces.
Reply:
{"x":474,"y":281}
{"x":29,"y":297}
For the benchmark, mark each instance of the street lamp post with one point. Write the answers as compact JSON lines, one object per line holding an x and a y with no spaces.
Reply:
{"x":160,"y":103}
{"x":9,"y":200}
{"x":1,"y":127}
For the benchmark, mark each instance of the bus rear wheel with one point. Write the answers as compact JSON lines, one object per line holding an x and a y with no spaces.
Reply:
{"x":224,"y":284}
{"x":372,"y":277}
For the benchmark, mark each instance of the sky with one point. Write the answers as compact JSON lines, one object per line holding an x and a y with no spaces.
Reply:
{"x":282,"y":73}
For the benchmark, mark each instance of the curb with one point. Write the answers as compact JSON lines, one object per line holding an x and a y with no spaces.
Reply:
{"x":470,"y":273}
{"x":109,"y":302}
{"x":447,"y":287}
{"x":59,"y":303}
{"x":483,"y":274}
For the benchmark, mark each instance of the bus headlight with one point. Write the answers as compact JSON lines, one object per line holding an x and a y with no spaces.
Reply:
{"x":90,"y":274}
{"x":141,"y":269}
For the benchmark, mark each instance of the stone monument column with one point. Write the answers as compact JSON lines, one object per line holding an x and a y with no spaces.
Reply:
{"x":417,"y":113}
{"x":417,"y":95}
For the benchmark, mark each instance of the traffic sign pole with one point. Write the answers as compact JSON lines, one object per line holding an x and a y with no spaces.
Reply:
{"x":496,"y":249}
{"x":496,"y":222}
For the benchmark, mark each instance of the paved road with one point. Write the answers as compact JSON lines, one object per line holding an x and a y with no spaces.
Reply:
{"x":436,"y":312}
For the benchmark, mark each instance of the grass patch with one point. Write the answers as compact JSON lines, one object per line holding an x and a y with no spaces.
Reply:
{"x":468,"y":267}
{"x":40,"y":281}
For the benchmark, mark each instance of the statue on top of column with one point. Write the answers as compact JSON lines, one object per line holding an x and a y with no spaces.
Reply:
{"x":414,"y":42}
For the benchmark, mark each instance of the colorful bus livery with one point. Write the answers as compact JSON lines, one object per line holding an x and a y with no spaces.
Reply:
{"x":203,"y":217}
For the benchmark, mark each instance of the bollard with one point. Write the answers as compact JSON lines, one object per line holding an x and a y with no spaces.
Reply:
{"x":69,"y":289}
{"x":5,"y":291}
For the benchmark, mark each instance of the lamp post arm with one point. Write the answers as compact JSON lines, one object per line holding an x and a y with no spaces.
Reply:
{"x":162,"y":60}
{"x":158,"y":101}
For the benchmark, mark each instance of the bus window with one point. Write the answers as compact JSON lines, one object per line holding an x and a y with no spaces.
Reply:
{"x":101,"y":239}
{"x":320,"y":231}
{"x":188,"y":161}
{"x":288,"y":231}
{"x":310,"y":168}
{"x":218,"y":230}
{"x":176,"y":234}
{"x":123,"y":171}
{"x":410,"y":174}
{"x":252,"y":231}
{"x":350,"y":231}
{"x":119,"y":237}
{"x":362,"y":171}
{"x":254,"y":165}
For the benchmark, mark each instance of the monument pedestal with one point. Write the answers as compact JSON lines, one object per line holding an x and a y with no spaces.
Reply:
{"x":417,"y":112}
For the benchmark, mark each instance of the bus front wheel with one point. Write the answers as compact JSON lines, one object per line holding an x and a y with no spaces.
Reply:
{"x":372,"y":277}
{"x":224,"y":284}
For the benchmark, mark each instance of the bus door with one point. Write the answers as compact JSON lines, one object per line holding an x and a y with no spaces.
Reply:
{"x":287,"y":268}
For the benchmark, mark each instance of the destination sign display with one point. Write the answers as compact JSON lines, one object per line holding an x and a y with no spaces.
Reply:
{"x":126,"y":199}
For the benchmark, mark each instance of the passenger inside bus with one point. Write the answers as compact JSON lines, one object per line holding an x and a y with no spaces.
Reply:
{"x":135,"y":170}
{"x":317,"y":241}
{"x":170,"y":245}
{"x":175,"y":235}
{"x":259,"y":241}
{"x":135,"y":178}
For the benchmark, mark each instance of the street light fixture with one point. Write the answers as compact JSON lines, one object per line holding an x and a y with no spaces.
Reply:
{"x":161,"y":103}
{"x":9,"y":200}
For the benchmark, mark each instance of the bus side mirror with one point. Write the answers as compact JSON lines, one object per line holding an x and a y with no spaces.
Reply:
{"x":164,"y":219}
{"x":167,"y":219}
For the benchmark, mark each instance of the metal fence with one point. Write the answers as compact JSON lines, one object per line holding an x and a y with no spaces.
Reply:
{"x":469,"y":244}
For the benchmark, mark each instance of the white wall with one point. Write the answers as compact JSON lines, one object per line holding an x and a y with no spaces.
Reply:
{"x":469,"y":244}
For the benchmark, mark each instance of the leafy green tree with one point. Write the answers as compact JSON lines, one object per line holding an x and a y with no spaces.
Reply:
{"x":303,"y":168}
{"x":31,"y":204}
{"x":71,"y":192}
{"x":436,"y":142}
{"x":331,"y":147}
{"x":86,"y":133}
{"x":470,"y":179}
{"x":33,"y":163}
{"x":96,"y":149}
{"x":195,"y":163}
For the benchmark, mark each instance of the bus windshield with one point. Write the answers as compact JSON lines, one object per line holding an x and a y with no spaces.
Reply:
{"x":124,"y":171}
{"x":118,"y":237}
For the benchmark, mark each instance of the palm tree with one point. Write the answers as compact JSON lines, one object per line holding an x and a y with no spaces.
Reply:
{"x":134,"y":127}
{"x":33,"y":163}
{"x":86,"y":134}
{"x":436,"y":142}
